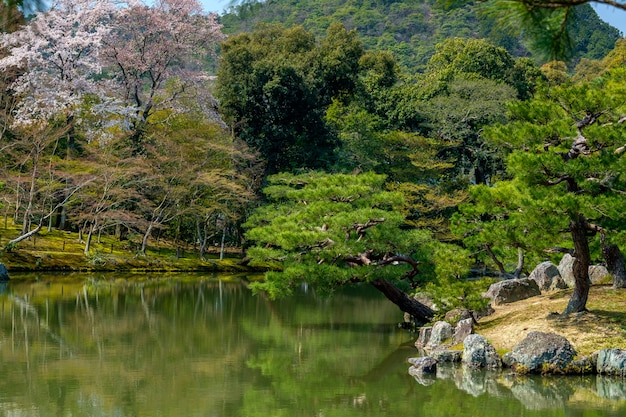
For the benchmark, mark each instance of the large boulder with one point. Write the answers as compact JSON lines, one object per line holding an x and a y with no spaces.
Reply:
{"x":541,"y":352}
{"x":547,"y":277}
{"x":4,"y":274}
{"x":446,"y":355}
{"x":440,"y":334}
{"x":599,"y":274}
{"x":566,"y":269}
{"x":479,"y":353}
{"x":611,"y":362}
{"x":512,"y":290}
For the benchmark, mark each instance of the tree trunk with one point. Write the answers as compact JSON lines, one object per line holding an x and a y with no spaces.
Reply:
{"x":419,"y":311}
{"x":578,"y":301}
{"x":89,"y":237}
{"x":615,"y":264}
{"x":144,"y":241}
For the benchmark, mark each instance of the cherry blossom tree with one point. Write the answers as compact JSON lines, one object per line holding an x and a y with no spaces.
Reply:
{"x":58,"y":55}
{"x":156,"y":55}
{"x":129,"y":58}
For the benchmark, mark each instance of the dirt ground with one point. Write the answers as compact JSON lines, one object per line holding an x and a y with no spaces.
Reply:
{"x":602,"y":326}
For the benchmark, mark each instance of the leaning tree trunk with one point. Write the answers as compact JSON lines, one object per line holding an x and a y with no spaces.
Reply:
{"x":419,"y":311}
{"x":615,"y":264}
{"x":578,"y":302}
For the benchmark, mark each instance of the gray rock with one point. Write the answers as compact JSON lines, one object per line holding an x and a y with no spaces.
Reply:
{"x":541,"y":352}
{"x":479,"y":353}
{"x":566,"y":269}
{"x":598,"y":274}
{"x":512,"y":290}
{"x":423,"y":369}
{"x":611,"y":362}
{"x":547,"y":277}
{"x":442,"y":332}
{"x":4,"y":274}
{"x":456,"y":315}
{"x":424,"y":337}
{"x":463,"y":329}
{"x":445,"y":355}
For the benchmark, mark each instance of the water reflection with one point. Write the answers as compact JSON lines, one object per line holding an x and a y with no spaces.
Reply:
{"x":537,"y":393}
{"x":204,"y":346}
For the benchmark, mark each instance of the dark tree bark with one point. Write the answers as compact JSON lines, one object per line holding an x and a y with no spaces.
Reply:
{"x":578,"y":301}
{"x":419,"y":311}
{"x":615,"y":264}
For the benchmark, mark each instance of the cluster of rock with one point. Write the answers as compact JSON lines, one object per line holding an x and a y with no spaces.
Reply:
{"x":545,"y":277}
{"x":539,"y":352}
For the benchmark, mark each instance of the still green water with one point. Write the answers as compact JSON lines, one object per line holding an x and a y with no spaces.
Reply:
{"x":204,"y":346}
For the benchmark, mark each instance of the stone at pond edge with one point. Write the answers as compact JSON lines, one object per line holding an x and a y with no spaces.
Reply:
{"x":463,"y":329}
{"x":4,"y":274}
{"x":479,"y":353}
{"x":611,"y":362}
{"x":445,"y":355}
{"x":512,"y":290}
{"x":441,"y":332}
{"x":423,"y":370}
{"x":547,"y":277}
{"x":541,"y":352}
{"x":424,"y":337}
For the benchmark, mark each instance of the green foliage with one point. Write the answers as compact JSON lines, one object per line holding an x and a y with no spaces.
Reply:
{"x":330,"y":230}
{"x":410,"y":30}
{"x":565,"y":160}
{"x":274,"y":86}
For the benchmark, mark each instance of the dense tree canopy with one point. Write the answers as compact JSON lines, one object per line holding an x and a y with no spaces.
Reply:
{"x":567,"y":166}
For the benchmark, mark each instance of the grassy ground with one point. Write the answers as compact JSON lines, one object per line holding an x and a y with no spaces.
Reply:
{"x":603,"y":326}
{"x":57,"y":250}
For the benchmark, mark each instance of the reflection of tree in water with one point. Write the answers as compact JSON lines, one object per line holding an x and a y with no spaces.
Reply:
{"x":163,"y":347}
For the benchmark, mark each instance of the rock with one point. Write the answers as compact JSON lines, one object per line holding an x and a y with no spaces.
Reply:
{"x":512,"y":290}
{"x":424,"y":365}
{"x":611,"y":362}
{"x":547,"y":277}
{"x":441,"y":332}
{"x":424,"y":337}
{"x":566,"y":269}
{"x":445,"y":355}
{"x":599,"y":274}
{"x":487,"y":311}
{"x":541,"y":352}
{"x":4,"y":274}
{"x":423,"y":369}
{"x":456,"y":315}
{"x":463,"y":329}
{"x":479,"y":353}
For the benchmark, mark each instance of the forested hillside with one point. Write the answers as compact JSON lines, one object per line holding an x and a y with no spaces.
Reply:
{"x":465,"y":156}
{"x":411,"y":29}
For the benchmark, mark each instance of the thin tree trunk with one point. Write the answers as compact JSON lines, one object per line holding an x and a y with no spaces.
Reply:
{"x":89,"y":236}
{"x":578,"y":300}
{"x":222,"y":244}
{"x":144,"y":241}
{"x":419,"y":311}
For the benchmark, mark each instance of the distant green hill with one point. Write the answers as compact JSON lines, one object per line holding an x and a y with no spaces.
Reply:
{"x":410,"y":29}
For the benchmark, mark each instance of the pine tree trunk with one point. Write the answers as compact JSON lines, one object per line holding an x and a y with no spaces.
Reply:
{"x":578,"y":301}
{"x":615,"y":264}
{"x":419,"y":311}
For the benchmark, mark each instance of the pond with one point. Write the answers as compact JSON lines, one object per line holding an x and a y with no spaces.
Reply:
{"x":205,"y":346}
